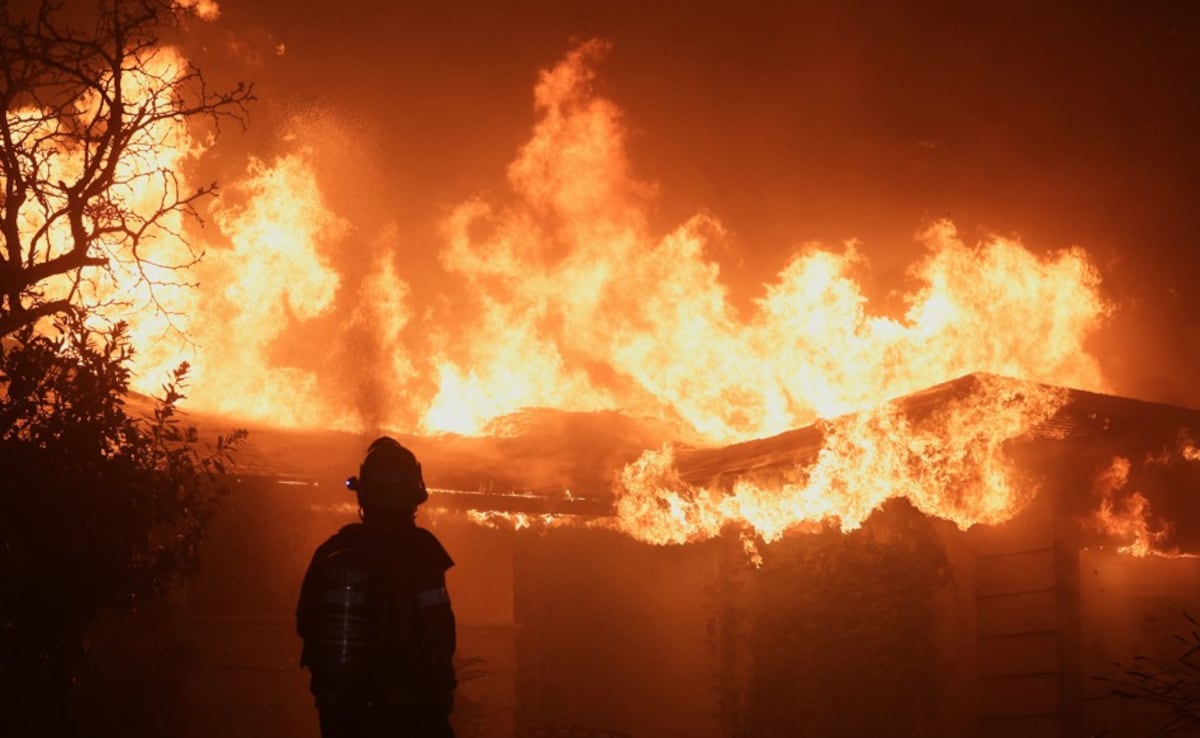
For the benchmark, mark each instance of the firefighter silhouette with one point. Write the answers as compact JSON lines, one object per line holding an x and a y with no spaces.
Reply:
{"x":374,"y":614}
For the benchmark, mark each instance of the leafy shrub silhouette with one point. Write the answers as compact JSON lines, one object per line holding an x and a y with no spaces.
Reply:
{"x":1167,"y":685}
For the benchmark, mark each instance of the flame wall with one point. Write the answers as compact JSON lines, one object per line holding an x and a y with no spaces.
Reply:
{"x":562,"y":294}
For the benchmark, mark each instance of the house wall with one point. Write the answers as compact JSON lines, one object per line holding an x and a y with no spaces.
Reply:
{"x":1027,"y":631}
{"x":615,"y":635}
{"x":581,"y":629}
{"x":588,"y":629}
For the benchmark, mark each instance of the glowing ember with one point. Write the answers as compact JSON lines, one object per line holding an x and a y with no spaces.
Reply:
{"x":524,"y":521}
{"x":1189,"y":451}
{"x":205,"y":9}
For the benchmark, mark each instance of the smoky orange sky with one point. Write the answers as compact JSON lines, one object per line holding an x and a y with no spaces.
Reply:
{"x":783,"y":123}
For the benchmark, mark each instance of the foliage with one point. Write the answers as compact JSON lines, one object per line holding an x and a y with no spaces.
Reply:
{"x":1169,"y":686}
{"x":131,"y":683}
{"x":93,"y":105}
{"x":99,"y":510}
{"x":836,"y":621}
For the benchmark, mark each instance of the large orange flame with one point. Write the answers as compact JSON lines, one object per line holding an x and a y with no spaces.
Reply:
{"x":574,"y":303}
{"x":1125,"y":516}
{"x":570,"y":278}
{"x":564,"y":296}
{"x":275,"y":276}
{"x":950,"y":465}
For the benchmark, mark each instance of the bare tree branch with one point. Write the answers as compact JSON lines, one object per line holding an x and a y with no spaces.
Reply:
{"x":88,"y":111}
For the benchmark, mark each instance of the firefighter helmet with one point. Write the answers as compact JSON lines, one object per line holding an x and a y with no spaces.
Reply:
{"x":390,"y":477}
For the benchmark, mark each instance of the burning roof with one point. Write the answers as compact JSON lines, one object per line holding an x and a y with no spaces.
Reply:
{"x":1084,"y":415}
{"x":975,"y":450}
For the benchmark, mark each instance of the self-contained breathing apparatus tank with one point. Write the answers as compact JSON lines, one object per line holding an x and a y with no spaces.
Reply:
{"x":342,"y":647}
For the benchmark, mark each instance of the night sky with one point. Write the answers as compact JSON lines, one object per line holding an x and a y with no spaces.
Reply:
{"x":790,"y":122}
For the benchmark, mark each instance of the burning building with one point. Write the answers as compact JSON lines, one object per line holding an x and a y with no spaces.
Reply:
{"x":904,"y":620}
{"x":724,"y":524}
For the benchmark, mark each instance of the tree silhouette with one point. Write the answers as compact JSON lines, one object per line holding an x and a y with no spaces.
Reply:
{"x":100,"y":508}
{"x":91,"y":199}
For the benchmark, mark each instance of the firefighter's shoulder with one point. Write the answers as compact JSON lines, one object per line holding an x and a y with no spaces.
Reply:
{"x":431,"y":550}
{"x":348,"y":534}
